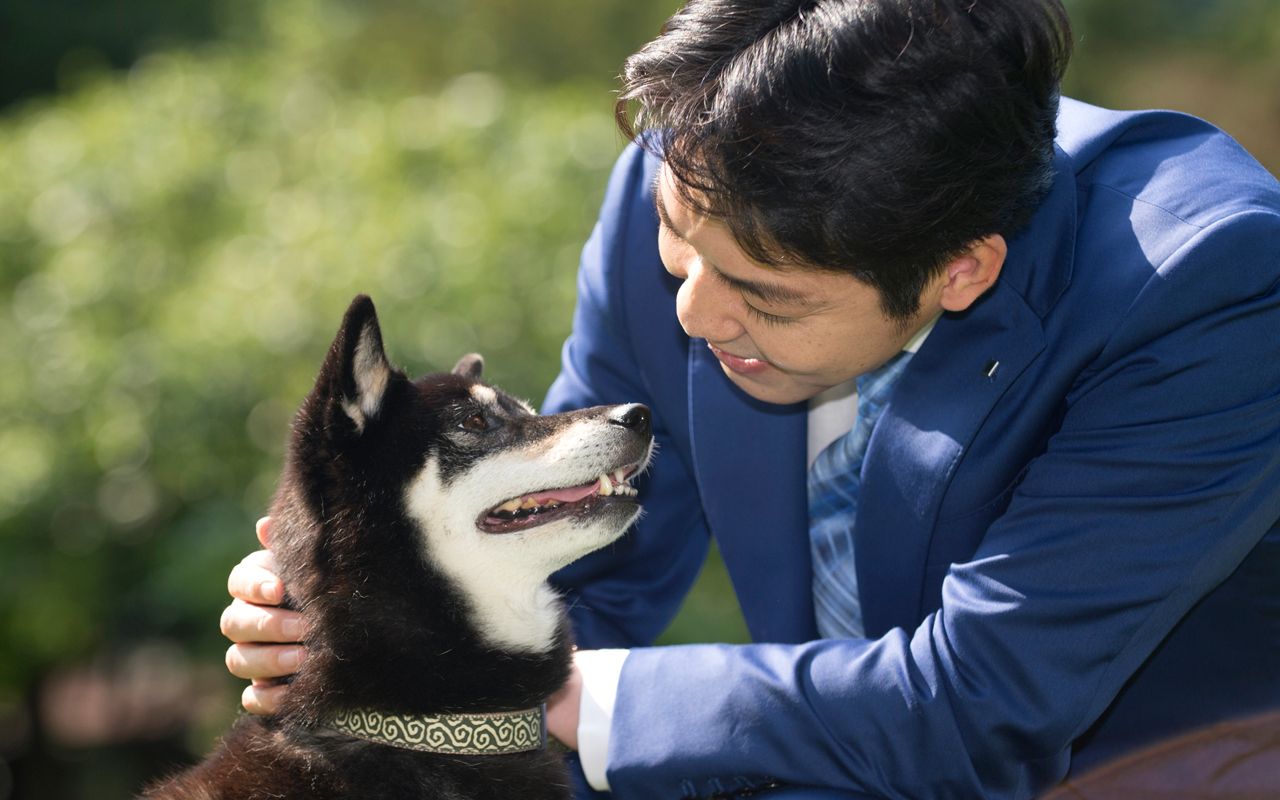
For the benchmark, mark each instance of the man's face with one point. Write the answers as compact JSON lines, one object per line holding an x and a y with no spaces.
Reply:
{"x":781,"y":334}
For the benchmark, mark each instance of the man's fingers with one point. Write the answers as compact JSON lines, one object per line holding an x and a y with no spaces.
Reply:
{"x":259,"y":661}
{"x":253,"y":580}
{"x":262,"y":698}
{"x":263,"y":529}
{"x":261,"y":558}
{"x":252,"y":624}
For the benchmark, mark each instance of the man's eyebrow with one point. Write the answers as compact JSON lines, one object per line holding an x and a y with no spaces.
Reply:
{"x":769,"y":292}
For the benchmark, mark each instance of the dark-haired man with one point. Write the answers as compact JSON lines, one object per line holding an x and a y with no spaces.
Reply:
{"x":1047,"y":534}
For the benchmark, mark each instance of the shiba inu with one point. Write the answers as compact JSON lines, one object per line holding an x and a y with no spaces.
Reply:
{"x":416,"y":524}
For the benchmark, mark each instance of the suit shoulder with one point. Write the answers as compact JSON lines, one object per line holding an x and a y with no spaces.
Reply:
{"x":623,"y":261}
{"x":1167,"y":161}
{"x":630,"y":185}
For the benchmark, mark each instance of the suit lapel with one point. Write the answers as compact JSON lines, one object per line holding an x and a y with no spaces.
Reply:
{"x":936,"y":409}
{"x":749,"y":459}
{"x":942,"y":400}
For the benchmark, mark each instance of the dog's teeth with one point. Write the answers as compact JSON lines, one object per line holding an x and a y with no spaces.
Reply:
{"x":510,"y":506}
{"x":606,"y":487}
{"x":620,"y":475}
{"x":528,"y":503}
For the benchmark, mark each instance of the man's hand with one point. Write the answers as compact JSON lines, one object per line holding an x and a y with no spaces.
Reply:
{"x":563,"y":710}
{"x":265,"y":636}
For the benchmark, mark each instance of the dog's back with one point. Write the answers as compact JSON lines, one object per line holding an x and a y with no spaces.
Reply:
{"x":416,"y":524}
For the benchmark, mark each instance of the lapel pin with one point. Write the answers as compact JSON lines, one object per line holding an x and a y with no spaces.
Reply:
{"x":990,"y":370}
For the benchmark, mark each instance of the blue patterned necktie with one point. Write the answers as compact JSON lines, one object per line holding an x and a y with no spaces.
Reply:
{"x":834,"y":480}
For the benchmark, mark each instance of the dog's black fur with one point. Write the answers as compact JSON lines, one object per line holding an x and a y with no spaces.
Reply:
{"x":388,"y":630}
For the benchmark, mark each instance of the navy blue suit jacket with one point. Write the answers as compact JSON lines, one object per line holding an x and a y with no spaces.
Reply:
{"x":1071,"y":556}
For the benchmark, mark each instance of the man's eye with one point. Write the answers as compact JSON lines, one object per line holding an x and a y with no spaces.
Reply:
{"x":765,"y":316}
{"x":475,"y":422}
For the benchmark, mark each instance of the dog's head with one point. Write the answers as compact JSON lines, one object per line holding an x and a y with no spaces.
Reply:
{"x":443,"y":504}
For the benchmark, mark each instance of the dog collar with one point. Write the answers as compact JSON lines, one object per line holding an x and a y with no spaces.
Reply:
{"x":496,"y":733}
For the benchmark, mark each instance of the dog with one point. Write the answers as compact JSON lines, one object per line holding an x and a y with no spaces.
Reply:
{"x":416,"y":524}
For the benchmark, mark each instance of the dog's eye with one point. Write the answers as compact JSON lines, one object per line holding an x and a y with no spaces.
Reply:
{"x":475,"y":422}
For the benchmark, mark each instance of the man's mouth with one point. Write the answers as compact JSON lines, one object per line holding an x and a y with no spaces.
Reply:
{"x":744,"y":366}
{"x":538,"y":508}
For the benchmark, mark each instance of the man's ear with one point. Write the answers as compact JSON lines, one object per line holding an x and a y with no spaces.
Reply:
{"x":356,"y":373}
{"x":470,"y":366}
{"x":969,"y":275}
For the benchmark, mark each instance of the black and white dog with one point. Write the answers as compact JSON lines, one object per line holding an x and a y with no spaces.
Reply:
{"x":416,"y":524}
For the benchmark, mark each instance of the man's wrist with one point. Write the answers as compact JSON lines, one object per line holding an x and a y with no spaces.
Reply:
{"x":563,"y":709}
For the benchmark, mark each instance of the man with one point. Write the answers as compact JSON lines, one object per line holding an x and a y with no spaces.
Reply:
{"x":1050,"y":534}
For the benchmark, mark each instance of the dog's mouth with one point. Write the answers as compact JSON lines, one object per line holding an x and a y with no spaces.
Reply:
{"x":548,"y":505}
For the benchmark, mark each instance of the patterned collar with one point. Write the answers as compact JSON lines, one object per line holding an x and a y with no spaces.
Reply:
{"x":496,"y":733}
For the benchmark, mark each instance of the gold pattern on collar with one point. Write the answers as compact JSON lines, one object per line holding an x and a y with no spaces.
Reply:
{"x":494,"y":733}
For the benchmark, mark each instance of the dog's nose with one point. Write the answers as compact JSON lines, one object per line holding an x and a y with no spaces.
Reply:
{"x":634,"y":416}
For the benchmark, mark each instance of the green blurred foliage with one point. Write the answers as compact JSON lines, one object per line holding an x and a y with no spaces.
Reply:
{"x":45,"y":44}
{"x":1217,"y":59}
{"x":178,"y":240}
{"x":179,"y":244}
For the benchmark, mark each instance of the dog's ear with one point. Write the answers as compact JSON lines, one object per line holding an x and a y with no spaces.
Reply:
{"x":470,"y":366}
{"x":356,"y":372}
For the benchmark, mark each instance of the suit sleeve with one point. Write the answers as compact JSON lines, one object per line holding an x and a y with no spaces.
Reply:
{"x":1163,"y":476}
{"x":627,"y":593}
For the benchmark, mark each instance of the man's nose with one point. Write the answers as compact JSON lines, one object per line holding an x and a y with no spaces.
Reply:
{"x":704,"y":308}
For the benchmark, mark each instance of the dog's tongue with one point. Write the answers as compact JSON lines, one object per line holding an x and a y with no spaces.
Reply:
{"x":571,"y":494}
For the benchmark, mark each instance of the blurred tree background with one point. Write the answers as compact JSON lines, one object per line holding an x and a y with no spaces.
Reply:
{"x":190,"y":193}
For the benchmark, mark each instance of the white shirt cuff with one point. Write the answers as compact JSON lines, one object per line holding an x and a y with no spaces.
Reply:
{"x":601,"y":670}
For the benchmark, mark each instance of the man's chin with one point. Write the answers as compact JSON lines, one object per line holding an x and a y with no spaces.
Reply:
{"x":774,"y":387}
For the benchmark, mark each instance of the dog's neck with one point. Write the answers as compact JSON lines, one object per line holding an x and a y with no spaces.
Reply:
{"x":511,"y":610}
{"x":386,"y":634}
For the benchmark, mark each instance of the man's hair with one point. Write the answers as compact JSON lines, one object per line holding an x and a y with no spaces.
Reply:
{"x":879,"y":138}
